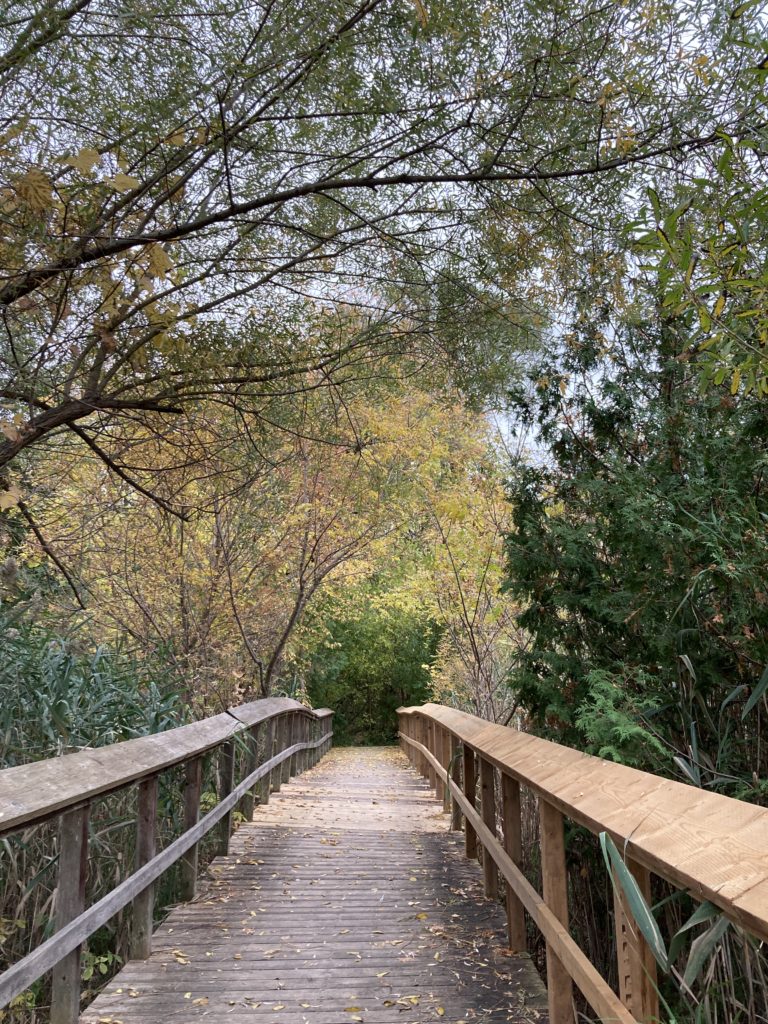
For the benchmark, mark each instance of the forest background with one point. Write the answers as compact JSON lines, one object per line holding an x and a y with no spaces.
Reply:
{"x":379,"y":352}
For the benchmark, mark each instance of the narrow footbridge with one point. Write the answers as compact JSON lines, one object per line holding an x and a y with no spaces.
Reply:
{"x":350,"y":891}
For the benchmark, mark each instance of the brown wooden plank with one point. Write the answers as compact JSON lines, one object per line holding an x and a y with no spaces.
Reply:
{"x":322,"y":906}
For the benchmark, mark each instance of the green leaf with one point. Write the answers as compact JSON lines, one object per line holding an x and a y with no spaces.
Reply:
{"x":705,"y":912}
{"x":636,"y":902}
{"x":757,"y":693}
{"x":702,"y":948}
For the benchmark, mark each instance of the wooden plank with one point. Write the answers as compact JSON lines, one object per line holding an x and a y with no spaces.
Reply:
{"x":711,"y":845}
{"x":595,"y":989}
{"x":193,"y":781}
{"x":146,"y":835}
{"x":33,"y":792}
{"x":277,"y":937}
{"x":70,"y":902}
{"x":511,"y":823}
{"x":456,"y":776}
{"x":49,"y":953}
{"x":555,"y":886}
{"x":226,"y":783}
{"x":470,"y":786}
{"x":636,"y":963}
{"x":488,"y":809}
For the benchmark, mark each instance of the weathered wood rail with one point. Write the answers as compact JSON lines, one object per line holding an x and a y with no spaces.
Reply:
{"x":714,"y":847}
{"x":291,"y":738}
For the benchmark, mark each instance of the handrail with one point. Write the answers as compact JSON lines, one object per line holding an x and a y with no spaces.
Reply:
{"x":294,"y":737}
{"x":713,"y":846}
{"x":30,"y":793}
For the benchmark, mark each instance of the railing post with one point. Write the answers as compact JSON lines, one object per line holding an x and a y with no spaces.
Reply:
{"x":456,"y":778}
{"x":269,"y":751}
{"x":146,"y":837}
{"x":431,"y":745}
{"x":287,"y":765}
{"x":248,"y":802}
{"x":555,"y":885}
{"x":636,"y":963}
{"x":511,"y":819}
{"x":488,"y":811}
{"x":193,"y":782}
{"x":70,"y":903}
{"x":445,"y":760}
{"x":437,"y":752}
{"x":226,"y":784}
{"x":470,"y":786}
{"x":280,"y":744}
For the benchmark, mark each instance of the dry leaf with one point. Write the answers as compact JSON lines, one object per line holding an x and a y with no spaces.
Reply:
{"x":36,"y":189}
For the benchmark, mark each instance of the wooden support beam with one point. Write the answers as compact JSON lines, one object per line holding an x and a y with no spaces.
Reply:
{"x":248,"y":802}
{"x":636,"y":963}
{"x":70,"y":902}
{"x":226,"y":785}
{"x":488,"y":812}
{"x":146,"y":841}
{"x":268,"y":738}
{"x":193,"y":782}
{"x":434,"y":781}
{"x":511,"y":822}
{"x":470,"y":786}
{"x":290,"y":732}
{"x":445,"y":760}
{"x":276,"y":775}
{"x":456,"y":777}
{"x":555,"y":891}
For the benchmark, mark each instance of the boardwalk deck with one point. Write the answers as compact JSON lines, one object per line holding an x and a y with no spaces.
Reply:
{"x":346,"y":900}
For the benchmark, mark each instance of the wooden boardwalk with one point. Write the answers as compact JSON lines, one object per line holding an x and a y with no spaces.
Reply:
{"x":345,"y":901}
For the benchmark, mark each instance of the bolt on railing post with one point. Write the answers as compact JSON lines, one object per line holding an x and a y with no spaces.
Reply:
{"x":636,"y":963}
{"x":555,"y":891}
{"x":226,"y":785}
{"x":146,"y":840}
{"x":193,"y":782}
{"x":488,"y":812}
{"x":511,"y":820}
{"x":70,"y":902}
{"x":470,"y":786}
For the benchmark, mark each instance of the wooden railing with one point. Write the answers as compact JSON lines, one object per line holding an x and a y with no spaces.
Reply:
{"x":712,"y":846}
{"x":293,"y":737}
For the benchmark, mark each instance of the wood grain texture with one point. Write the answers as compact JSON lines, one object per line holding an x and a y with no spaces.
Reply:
{"x":34,"y":792}
{"x":347,"y":899}
{"x":712,"y":845}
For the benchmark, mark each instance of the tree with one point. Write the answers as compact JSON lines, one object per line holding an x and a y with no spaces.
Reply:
{"x":182,"y":182}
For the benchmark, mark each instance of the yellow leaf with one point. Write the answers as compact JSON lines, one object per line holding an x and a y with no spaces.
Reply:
{"x":159,"y":262}
{"x":351,"y":1009}
{"x":10,"y":497}
{"x":735,"y":381}
{"x":441,"y":1011}
{"x":719,"y":306}
{"x":36,"y":189}
{"x":202,"y":1001}
{"x":176,"y":138}
{"x":85,"y":160}
{"x":122,"y":182}
{"x":421,"y":917}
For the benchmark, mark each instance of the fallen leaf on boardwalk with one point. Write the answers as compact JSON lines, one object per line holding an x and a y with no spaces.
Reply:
{"x":202,"y":1001}
{"x":279,"y":1006}
{"x":441,"y":1011}
{"x":382,"y":974}
{"x":421,"y":917}
{"x":351,"y":1009}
